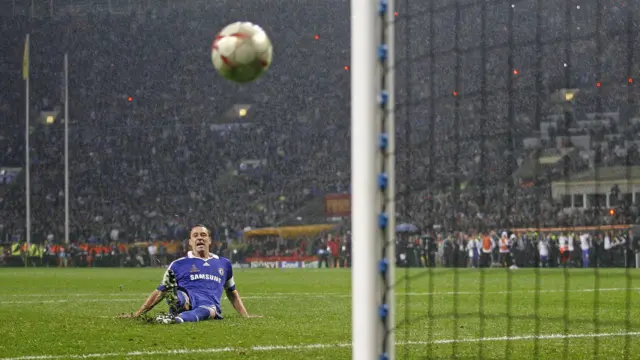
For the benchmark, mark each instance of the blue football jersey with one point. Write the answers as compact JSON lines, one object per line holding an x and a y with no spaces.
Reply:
{"x":203,"y":279}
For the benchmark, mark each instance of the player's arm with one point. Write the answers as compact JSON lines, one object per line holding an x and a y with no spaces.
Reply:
{"x":234,"y":296}
{"x":153,"y":300}
{"x":236,"y":301}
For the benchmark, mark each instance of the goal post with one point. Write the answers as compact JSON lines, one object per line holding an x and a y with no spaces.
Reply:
{"x":372,"y":179}
{"x":389,"y":248}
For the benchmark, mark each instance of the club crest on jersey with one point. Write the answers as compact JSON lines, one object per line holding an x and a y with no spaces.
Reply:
{"x":221,"y":272}
{"x":194,"y":269}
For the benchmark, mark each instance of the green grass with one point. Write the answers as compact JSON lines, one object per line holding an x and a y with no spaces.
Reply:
{"x":59,"y":313}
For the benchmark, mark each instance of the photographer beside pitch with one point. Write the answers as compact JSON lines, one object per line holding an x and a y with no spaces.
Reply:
{"x":193,"y":285}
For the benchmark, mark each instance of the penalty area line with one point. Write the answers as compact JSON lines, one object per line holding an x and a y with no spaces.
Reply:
{"x":279,"y":295}
{"x":126,"y":297}
{"x":302,"y":347}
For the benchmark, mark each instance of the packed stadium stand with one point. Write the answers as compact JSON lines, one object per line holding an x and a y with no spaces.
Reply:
{"x":158,"y":141}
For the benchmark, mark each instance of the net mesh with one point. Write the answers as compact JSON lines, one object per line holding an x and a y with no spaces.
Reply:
{"x":517,"y":119}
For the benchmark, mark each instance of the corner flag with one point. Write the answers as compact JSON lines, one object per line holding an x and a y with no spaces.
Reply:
{"x":25,"y":60}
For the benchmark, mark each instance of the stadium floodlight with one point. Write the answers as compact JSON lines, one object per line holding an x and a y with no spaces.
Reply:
{"x":372,"y":179}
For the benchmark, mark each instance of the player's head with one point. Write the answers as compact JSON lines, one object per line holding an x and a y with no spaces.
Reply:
{"x":200,"y":238}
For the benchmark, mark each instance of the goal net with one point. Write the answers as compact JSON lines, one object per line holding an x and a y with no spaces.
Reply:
{"x":518,"y":178}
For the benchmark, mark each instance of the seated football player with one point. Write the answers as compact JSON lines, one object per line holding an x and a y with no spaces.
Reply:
{"x":193,"y":285}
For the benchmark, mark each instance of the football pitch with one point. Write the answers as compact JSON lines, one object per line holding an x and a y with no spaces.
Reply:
{"x":69,"y":314}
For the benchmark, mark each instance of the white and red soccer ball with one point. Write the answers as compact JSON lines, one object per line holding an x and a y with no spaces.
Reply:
{"x":241,"y":52}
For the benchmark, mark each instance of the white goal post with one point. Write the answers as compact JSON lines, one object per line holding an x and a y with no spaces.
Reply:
{"x":373,"y":178}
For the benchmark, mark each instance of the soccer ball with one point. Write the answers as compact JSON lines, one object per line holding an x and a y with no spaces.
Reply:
{"x":241,"y":52}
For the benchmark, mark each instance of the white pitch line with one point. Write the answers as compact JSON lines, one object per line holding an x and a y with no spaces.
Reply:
{"x":524,"y":337}
{"x":532,"y":291}
{"x":147,"y":294}
{"x":267,"y":348}
{"x":77,"y":301}
{"x":60,"y":301}
{"x":286,"y":295}
{"x":75,"y":295}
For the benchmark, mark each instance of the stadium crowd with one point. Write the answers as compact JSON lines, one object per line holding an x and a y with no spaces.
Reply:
{"x":158,"y":141}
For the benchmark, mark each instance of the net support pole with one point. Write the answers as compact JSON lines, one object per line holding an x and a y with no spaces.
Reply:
{"x":366,"y":325}
{"x":66,"y":148}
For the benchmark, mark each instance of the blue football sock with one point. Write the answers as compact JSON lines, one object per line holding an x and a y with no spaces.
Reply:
{"x":197,"y":314}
